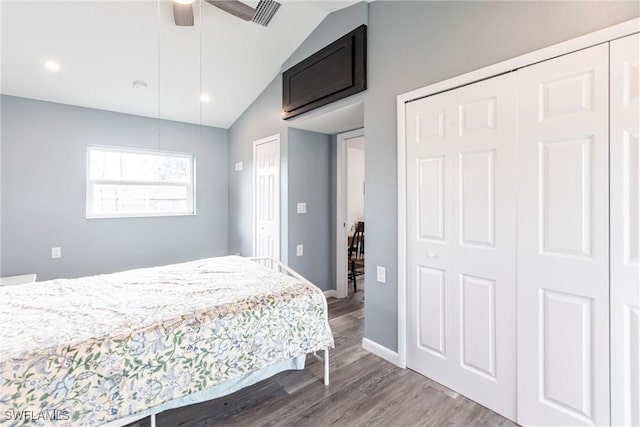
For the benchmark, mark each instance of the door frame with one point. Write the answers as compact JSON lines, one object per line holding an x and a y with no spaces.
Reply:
{"x":342,"y":180}
{"x":601,"y":36}
{"x":273,"y":138}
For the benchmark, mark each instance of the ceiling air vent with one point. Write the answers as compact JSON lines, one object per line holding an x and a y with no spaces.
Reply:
{"x":265,"y":11}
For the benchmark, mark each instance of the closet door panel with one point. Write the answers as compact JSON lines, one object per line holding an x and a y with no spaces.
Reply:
{"x":563,"y":240}
{"x":461,"y":160}
{"x":484,"y":211}
{"x":430,"y":154}
{"x":625,"y":233}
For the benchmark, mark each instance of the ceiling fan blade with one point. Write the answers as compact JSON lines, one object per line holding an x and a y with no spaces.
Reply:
{"x":234,"y":7}
{"x":183,"y":14}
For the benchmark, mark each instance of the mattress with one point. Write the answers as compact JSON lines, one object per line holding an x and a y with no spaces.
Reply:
{"x":104,"y":347}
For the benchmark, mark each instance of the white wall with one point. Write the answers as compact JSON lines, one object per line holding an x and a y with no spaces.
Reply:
{"x":355,"y":181}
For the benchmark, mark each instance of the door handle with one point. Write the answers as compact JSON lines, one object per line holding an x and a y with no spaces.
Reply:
{"x":431,"y":255}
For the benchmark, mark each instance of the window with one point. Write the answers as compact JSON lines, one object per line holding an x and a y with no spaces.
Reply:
{"x":123,"y":182}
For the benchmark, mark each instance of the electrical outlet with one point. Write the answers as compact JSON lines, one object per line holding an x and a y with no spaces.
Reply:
{"x":299,"y":250}
{"x":381,"y":274}
{"x":302,"y":208}
{"x":239,"y":167}
{"x":56,"y":253}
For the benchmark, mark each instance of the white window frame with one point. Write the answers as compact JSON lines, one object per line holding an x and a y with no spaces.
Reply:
{"x":191,"y":185}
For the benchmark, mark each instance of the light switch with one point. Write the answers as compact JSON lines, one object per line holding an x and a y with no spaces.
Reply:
{"x":56,"y":253}
{"x":239,"y":167}
{"x":299,"y":250}
{"x":302,"y":208}
{"x":381,"y":275}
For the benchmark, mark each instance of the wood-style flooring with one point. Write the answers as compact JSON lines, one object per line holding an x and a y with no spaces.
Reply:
{"x":365,"y":390}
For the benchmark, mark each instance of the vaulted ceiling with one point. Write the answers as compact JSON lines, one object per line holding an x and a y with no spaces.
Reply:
{"x":206,"y":74}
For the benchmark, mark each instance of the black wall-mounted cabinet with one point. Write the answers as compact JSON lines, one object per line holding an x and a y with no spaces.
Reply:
{"x":335,"y":72}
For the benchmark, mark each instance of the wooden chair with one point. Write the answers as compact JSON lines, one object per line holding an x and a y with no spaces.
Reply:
{"x":355,"y":254}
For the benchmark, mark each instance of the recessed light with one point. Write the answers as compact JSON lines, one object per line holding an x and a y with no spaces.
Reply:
{"x":139,"y":84}
{"x":52,"y":65}
{"x":184,"y":1}
{"x":204,"y":97}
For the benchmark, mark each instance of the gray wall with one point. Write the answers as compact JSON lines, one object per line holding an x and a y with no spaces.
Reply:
{"x":1,"y":275}
{"x":43,"y":192}
{"x":309,"y":161}
{"x":308,"y":179}
{"x":413,"y":44}
{"x":410,"y":44}
{"x":262,"y":119}
{"x":334,"y":26}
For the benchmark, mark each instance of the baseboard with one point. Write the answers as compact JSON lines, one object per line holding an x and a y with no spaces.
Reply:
{"x":331,"y":293}
{"x":380,"y":351}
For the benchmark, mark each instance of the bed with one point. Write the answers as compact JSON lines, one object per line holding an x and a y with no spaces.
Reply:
{"x":109,"y":349}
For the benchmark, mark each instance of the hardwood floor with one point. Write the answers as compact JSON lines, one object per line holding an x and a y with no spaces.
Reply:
{"x":365,"y":391}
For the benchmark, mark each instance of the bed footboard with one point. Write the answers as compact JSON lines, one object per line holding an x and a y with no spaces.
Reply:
{"x":276,"y":265}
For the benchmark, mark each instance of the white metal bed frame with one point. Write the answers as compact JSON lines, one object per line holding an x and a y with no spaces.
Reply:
{"x":273,"y":264}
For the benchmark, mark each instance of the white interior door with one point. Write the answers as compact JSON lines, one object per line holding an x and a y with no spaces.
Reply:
{"x":461,"y":193}
{"x":266,"y":164}
{"x":625,"y":233}
{"x":563,"y":240}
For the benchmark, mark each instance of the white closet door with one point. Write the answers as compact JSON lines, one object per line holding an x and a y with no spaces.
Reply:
{"x":625,"y":233}
{"x":461,"y":240}
{"x":563,"y":240}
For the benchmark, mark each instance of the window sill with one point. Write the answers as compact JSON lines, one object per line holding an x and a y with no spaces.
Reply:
{"x":124,"y":216}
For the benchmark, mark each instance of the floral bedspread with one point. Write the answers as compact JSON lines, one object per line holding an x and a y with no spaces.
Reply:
{"x":90,"y":350}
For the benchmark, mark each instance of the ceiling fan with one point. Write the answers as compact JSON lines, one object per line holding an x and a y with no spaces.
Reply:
{"x":262,"y":14}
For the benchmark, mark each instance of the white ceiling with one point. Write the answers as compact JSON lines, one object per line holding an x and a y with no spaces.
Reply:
{"x":104,"y":46}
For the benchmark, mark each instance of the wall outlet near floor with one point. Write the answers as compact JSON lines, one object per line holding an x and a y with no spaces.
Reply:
{"x":56,"y":253}
{"x":302,"y":208}
{"x":299,"y":250}
{"x":381,"y":274}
